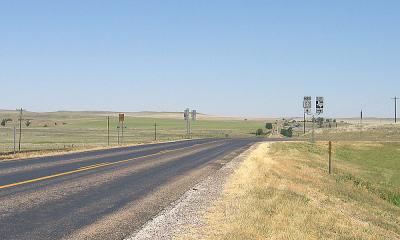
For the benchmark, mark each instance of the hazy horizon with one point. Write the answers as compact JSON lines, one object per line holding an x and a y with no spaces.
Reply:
{"x":201,"y":113}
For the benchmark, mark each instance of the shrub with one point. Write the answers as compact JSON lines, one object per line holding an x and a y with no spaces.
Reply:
{"x":268,"y":126}
{"x":287,"y":132}
{"x":259,"y":132}
{"x":320,"y":122}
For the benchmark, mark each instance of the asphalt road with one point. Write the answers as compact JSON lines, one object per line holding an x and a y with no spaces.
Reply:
{"x":105,"y":194}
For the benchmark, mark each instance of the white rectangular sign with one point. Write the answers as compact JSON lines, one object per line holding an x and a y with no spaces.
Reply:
{"x":320,"y":105}
{"x":307,"y":104}
{"x":194,"y":115}
{"x":186,"y":114}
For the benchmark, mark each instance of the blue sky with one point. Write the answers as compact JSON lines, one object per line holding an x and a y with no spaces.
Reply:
{"x":247,"y":58}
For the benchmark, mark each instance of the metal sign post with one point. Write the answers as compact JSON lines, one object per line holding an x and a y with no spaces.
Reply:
{"x":118,"y":133}
{"x":307,"y":109}
{"x":194,"y":118}
{"x":121,"y":125}
{"x":313,"y":129}
{"x":319,"y":109}
{"x":187,"y":117}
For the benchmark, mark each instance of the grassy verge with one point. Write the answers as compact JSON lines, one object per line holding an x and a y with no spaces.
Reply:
{"x":54,"y":152}
{"x":283,"y":191}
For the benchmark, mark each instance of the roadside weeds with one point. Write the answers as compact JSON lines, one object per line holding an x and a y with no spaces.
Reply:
{"x":282,"y":191}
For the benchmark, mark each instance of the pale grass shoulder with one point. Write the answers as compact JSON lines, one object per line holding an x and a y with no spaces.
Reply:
{"x":281,"y":192}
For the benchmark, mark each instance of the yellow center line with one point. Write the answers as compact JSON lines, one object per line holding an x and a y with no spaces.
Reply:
{"x":94,"y":165}
{"x":86,"y":168}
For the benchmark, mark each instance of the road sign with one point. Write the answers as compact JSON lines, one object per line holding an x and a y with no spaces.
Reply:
{"x":194,"y":115}
{"x":121,"y":117}
{"x":320,"y":105}
{"x":186,"y":114}
{"x":307,"y":104}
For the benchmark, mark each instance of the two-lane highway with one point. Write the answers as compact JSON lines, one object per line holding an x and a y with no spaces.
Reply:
{"x":105,"y":194}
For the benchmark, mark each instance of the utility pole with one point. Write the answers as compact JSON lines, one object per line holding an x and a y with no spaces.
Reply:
{"x":155,"y":131}
{"x":108,"y":130}
{"x":395,"y":109}
{"x":20,"y":130}
{"x":307,"y":105}
{"x":361,"y":122}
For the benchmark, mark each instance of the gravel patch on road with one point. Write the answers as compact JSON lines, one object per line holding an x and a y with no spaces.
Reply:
{"x":188,"y":211}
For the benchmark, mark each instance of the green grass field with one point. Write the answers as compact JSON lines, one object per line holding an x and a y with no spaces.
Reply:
{"x":89,"y":129}
{"x":373,"y":166}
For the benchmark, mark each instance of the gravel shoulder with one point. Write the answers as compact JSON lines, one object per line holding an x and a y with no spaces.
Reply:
{"x":187,"y":212}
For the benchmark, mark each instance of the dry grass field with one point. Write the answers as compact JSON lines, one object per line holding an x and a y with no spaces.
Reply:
{"x":352,"y":130}
{"x":57,"y":131}
{"x":283,"y":191}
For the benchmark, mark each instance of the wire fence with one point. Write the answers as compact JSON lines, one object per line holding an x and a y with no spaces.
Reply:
{"x":56,"y":138}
